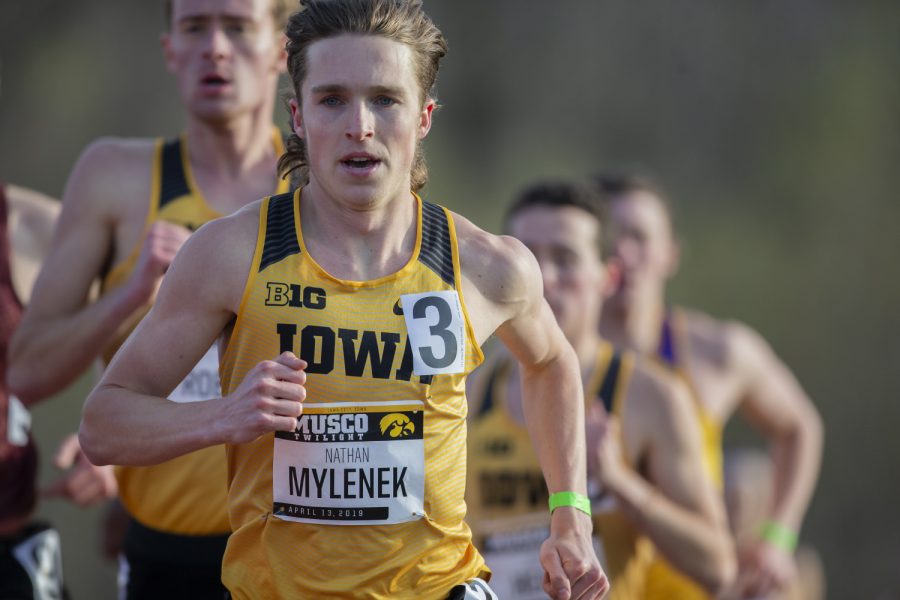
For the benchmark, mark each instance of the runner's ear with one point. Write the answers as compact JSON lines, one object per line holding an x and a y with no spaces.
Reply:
{"x":612,"y":279}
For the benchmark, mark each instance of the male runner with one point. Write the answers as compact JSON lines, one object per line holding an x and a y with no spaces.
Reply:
{"x":656,"y":493}
{"x":128,"y":207}
{"x":728,"y":366}
{"x":351,"y":312}
{"x":30,"y":561}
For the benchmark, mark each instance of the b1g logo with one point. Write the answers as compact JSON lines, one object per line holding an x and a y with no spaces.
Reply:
{"x":294,"y":295}
{"x":436,"y":331}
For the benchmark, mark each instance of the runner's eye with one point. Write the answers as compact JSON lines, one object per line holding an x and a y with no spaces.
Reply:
{"x":192,"y":26}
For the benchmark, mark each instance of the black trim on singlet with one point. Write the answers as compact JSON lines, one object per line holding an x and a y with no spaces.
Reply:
{"x":436,"y":252}
{"x":173,"y":180}
{"x":610,"y":380}
{"x":281,"y":234}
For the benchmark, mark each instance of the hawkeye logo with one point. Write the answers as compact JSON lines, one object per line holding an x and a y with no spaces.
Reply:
{"x":397,"y":425}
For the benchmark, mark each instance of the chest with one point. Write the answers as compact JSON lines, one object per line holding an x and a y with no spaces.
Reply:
{"x":717,"y":388}
{"x":188,"y":202}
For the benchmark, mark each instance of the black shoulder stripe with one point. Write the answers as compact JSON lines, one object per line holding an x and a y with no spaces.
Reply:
{"x":173,"y":182}
{"x":436,"y":252}
{"x":608,"y":388}
{"x":281,"y":234}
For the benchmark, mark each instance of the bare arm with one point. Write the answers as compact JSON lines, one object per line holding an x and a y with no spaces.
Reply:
{"x":508,"y":290}
{"x":32,"y":217}
{"x":61,"y":333}
{"x":127,"y":418}
{"x":776,"y":405}
{"x":678,"y":508}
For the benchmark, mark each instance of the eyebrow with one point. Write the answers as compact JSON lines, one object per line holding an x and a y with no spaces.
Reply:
{"x":331,"y":88}
{"x":202,"y":17}
{"x":193,"y":18}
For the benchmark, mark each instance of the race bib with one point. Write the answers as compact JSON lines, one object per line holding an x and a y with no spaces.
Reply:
{"x":18,"y":422}
{"x":202,"y":383}
{"x":352,"y":464}
{"x":437,"y":334}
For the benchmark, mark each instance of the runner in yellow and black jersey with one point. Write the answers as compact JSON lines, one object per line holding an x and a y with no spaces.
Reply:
{"x":380,"y":444}
{"x":729,"y":367}
{"x":177,"y":508}
{"x":129,"y":206}
{"x":643,"y":440}
{"x":352,"y":313}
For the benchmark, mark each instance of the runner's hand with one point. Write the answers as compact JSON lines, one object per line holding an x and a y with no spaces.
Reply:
{"x":83,"y":483}
{"x":270,"y":398}
{"x":571,"y":568}
{"x":161,"y":244}
{"x":763,"y":570}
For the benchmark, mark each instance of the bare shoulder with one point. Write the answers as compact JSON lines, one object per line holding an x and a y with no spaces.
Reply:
{"x":657,"y":392}
{"x":228,"y":237}
{"x":500,"y":267}
{"x":109,"y":171}
{"x":224,"y":246}
{"x":728,"y":344}
{"x":30,"y":202}
{"x":709,"y":338}
{"x":33,"y":211}
{"x":728,"y":338}
{"x":117,"y":152}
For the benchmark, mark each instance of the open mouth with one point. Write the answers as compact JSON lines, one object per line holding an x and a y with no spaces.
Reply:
{"x":361,"y":163}
{"x":214,"y":81}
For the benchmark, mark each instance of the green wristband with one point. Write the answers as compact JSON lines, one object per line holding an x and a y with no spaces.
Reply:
{"x":779,"y":536}
{"x":579,"y":501}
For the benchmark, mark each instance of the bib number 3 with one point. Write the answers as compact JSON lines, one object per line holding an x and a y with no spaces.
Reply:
{"x":436,"y":329}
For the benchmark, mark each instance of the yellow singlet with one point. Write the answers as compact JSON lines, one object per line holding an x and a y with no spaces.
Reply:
{"x":507,"y":495}
{"x":365,"y":498}
{"x":186,"y":495}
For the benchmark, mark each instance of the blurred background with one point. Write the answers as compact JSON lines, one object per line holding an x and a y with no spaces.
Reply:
{"x":774,"y":125}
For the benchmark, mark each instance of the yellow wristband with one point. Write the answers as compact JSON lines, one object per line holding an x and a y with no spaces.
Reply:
{"x":579,"y":501}
{"x":779,"y":536}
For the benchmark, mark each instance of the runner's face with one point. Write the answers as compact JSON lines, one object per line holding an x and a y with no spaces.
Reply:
{"x":564,"y":242}
{"x":643,"y":245}
{"x":226,"y":56}
{"x":361,"y":117}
